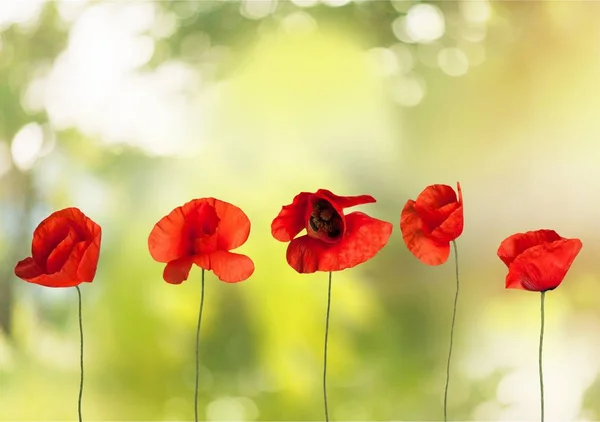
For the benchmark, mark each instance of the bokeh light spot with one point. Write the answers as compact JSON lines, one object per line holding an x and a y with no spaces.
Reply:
{"x":425,"y":23}
{"x":453,"y":61}
{"x":26,"y":146}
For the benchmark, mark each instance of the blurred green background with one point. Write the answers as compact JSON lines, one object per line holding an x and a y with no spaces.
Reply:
{"x":129,"y":109}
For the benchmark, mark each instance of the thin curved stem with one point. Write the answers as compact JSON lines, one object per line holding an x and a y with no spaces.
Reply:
{"x":540,"y":358}
{"x":197,"y":349}
{"x":451,"y":334}
{"x":80,"y":356}
{"x":325,"y":350}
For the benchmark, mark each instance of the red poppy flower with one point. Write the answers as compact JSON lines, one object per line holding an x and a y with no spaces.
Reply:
{"x":65,"y":251}
{"x":334,"y":241}
{"x":202,"y":232}
{"x":537,"y":260}
{"x":431,"y":222}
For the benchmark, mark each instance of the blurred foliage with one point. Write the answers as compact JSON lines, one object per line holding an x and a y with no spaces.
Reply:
{"x":296,"y":114}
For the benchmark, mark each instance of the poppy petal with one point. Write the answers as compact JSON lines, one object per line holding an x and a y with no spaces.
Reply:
{"x":435,"y":204}
{"x":178,"y":270}
{"x":166,"y":242}
{"x":424,"y":248}
{"x":345,"y":201}
{"x":28,"y":269}
{"x":66,"y":277}
{"x":234,"y":227}
{"x":451,"y":228}
{"x":227,"y":266}
{"x":364,"y":238}
{"x":59,"y":255}
{"x":86,"y":271}
{"x":514,"y":245}
{"x":54,"y":228}
{"x":543,"y":267}
{"x":436,"y":196}
{"x":291,"y":220}
{"x":48,"y":234}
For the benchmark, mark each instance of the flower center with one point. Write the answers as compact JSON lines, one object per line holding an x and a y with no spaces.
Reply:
{"x":325,"y":222}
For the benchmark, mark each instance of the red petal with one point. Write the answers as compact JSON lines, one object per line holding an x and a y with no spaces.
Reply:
{"x":234,"y":227}
{"x":543,"y":267}
{"x":28,"y":269}
{"x":66,"y":277}
{"x":342,"y":202}
{"x":59,"y":255}
{"x":227,"y":266}
{"x":514,"y":245}
{"x":365,"y":236}
{"x":177,"y":271}
{"x":177,"y":235}
{"x":86,"y":271}
{"x":451,"y":227}
{"x":427,"y":250}
{"x":166,"y":242}
{"x":291,"y":220}
{"x":53,"y":229}
{"x":435,"y":204}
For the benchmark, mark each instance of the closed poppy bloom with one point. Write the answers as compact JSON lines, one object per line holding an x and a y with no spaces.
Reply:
{"x":537,"y":260}
{"x":431,"y":222}
{"x":333,"y":241}
{"x":65,"y":251}
{"x":202,"y":232}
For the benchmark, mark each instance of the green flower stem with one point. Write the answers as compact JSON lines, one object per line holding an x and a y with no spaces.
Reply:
{"x":197,"y":349}
{"x":325,"y":351}
{"x":540,"y":359}
{"x":80,"y":355}
{"x":451,"y":334}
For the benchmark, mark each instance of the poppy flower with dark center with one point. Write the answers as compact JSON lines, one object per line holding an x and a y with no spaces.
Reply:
{"x":202,"y":232}
{"x":65,"y":251}
{"x":333,"y":241}
{"x":537,"y":260}
{"x":431,"y":222}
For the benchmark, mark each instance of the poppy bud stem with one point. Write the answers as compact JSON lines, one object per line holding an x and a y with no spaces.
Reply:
{"x":80,"y":355}
{"x":325,"y":351}
{"x":197,"y":349}
{"x":451,"y":334}
{"x":540,"y":359}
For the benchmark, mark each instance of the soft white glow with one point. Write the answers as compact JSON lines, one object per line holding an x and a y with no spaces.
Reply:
{"x":299,"y":23}
{"x":400,"y":31}
{"x":453,"y":61}
{"x":570,"y":365}
{"x":70,"y":10}
{"x":425,"y":23}
{"x":27,"y":145}
{"x":254,"y":9}
{"x":335,"y":3}
{"x":95,"y":84}
{"x":475,"y":11}
{"x":305,"y":3}
{"x":165,"y":24}
{"x":23,"y":13}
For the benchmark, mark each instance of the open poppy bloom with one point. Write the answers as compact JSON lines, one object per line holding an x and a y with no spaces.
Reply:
{"x":537,"y":260}
{"x":202,"y":232}
{"x":431,"y":222}
{"x":65,"y":251}
{"x":333,"y":241}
